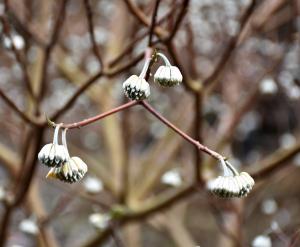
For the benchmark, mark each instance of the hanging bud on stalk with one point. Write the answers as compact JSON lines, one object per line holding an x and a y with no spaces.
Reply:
{"x":167,"y":75}
{"x":53,"y":154}
{"x":232,"y":183}
{"x":72,"y":170}
{"x":136,"y":87}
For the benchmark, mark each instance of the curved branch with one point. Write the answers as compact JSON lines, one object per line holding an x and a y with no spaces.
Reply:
{"x":27,"y":118}
{"x":157,"y":204}
{"x":143,"y":19}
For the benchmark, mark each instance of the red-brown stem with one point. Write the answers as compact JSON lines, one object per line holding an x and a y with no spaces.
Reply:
{"x":100,"y":116}
{"x":201,"y":147}
{"x":149,"y":108}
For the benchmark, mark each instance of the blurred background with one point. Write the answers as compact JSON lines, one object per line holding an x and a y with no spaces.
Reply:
{"x":240,"y":97}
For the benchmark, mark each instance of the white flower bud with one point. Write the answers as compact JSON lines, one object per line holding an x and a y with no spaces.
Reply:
{"x":53,"y":154}
{"x":168,"y":76}
{"x":71,"y":171}
{"x":231,"y":186}
{"x":136,"y":88}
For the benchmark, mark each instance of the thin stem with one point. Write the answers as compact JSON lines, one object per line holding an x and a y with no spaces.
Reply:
{"x":69,"y":103}
{"x":100,"y":116}
{"x":226,"y":172}
{"x":55,"y":136}
{"x":232,"y":169}
{"x":201,"y":147}
{"x":145,"y":68}
{"x":166,"y":60}
{"x":64,"y":141}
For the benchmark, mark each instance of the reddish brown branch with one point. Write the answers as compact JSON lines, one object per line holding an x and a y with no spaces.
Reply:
{"x":91,"y":81}
{"x":100,"y":116}
{"x":201,"y":147}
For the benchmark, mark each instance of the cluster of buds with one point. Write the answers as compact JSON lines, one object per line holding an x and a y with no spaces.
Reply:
{"x":137,"y":88}
{"x":232,"y":183}
{"x":63,"y":167}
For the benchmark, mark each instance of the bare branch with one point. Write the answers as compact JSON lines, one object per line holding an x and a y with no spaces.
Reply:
{"x":27,"y":118}
{"x":89,"y":16}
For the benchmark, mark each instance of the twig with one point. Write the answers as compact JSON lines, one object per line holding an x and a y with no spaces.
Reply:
{"x":91,"y":81}
{"x":27,"y":118}
{"x":130,"y":46}
{"x":55,"y":34}
{"x":25,"y":181}
{"x":186,"y":81}
{"x":220,"y":223}
{"x":74,"y":97}
{"x":274,"y":162}
{"x":158,"y":204}
{"x":100,"y":116}
{"x":24,"y":28}
{"x":115,"y":235}
{"x":294,"y":239}
{"x":178,"y":21}
{"x":142,"y":18}
{"x":231,"y":47}
{"x":153,"y":21}
{"x":17,"y":56}
{"x":5,"y":223}
{"x":178,"y":131}
{"x":197,"y":134}
{"x":89,"y":16}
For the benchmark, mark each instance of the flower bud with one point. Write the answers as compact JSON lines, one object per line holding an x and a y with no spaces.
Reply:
{"x":136,"y":88}
{"x":71,"y":171}
{"x":53,"y":154}
{"x":168,"y":76}
{"x":231,"y":186}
